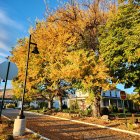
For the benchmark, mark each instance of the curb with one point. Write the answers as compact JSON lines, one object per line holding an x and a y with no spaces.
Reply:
{"x":29,"y":130}
{"x":91,"y":124}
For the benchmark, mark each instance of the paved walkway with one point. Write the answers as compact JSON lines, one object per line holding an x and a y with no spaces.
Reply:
{"x":56,"y":129}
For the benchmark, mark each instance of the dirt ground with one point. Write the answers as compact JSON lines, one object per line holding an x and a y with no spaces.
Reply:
{"x":117,"y":123}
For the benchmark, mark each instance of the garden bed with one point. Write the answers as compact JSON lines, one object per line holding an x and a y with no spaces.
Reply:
{"x":117,"y":123}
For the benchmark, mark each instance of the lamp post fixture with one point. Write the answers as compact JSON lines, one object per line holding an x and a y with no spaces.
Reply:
{"x":20,"y":122}
{"x":35,"y":51}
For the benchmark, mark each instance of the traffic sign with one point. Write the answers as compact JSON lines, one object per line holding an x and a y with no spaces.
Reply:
{"x":12,"y":72}
{"x":122,"y":95}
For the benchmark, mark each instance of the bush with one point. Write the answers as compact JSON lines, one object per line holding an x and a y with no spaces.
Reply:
{"x":120,"y":110}
{"x":56,"y":110}
{"x":87,"y":112}
{"x":32,"y":107}
{"x":82,"y":113}
{"x":115,"y":109}
{"x":10,"y":105}
{"x":44,"y":109}
{"x":76,"y":111}
{"x":66,"y":110}
{"x":104,"y":111}
{"x":43,"y":104}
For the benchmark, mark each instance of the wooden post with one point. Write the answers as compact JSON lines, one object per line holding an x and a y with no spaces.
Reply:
{"x":133,"y":118}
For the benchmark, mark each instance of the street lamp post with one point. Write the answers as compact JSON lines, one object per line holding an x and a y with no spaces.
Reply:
{"x":20,"y":122}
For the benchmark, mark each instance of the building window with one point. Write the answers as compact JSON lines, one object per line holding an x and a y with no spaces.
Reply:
{"x":105,"y":102}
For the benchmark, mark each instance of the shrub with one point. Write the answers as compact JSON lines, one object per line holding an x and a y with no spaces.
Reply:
{"x":111,"y":108}
{"x":66,"y":110}
{"x":87,"y":112}
{"x":56,"y":110}
{"x":32,"y":107}
{"x":104,"y":111}
{"x":130,"y":126}
{"x":120,"y":110}
{"x":43,"y":104}
{"x":81,"y":113}
{"x":44,"y":109}
{"x":74,"y":111}
{"x":10,"y":106}
{"x":115,"y":109}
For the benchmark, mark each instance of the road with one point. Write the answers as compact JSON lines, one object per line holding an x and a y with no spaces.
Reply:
{"x":56,"y":129}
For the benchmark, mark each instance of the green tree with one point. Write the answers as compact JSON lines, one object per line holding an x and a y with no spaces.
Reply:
{"x":120,"y":45}
{"x":135,"y":97}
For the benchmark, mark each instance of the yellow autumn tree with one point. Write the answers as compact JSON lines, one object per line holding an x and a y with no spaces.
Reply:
{"x":68,"y":46}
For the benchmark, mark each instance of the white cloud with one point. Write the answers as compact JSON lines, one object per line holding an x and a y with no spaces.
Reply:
{"x":3,"y":46}
{"x":3,"y":54}
{"x":7,"y":27}
{"x":3,"y":34}
{"x":6,"y":20}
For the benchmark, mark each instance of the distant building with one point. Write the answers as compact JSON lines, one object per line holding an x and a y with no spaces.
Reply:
{"x":8,"y":96}
{"x":108,"y":98}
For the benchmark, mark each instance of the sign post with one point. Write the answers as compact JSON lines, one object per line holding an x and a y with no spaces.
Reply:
{"x":8,"y":71}
{"x":123,"y":97}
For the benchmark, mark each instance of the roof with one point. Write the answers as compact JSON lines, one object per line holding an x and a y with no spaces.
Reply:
{"x":8,"y":94}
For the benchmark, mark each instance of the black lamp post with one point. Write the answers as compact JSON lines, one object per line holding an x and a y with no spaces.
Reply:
{"x":35,"y":51}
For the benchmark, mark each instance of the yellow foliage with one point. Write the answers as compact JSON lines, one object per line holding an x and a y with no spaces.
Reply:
{"x":67,"y":42}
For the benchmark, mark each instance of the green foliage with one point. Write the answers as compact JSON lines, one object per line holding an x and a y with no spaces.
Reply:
{"x":113,"y":109}
{"x":120,"y":45}
{"x":87,"y":112}
{"x":135,"y":97}
{"x":43,"y":104}
{"x":130,"y":126}
{"x":104,"y":111}
{"x":66,"y":110}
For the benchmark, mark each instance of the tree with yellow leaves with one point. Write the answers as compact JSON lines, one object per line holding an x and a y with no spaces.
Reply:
{"x":68,"y":46}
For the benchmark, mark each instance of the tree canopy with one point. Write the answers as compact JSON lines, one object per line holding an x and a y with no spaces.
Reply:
{"x":68,"y":44}
{"x":120,"y":45}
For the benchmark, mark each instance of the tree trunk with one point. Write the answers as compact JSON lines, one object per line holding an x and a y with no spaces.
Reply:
{"x":50,"y":104}
{"x":96,"y":106}
{"x":60,"y":103}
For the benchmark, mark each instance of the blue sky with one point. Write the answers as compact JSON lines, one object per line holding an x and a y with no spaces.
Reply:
{"x":16,"y":16}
